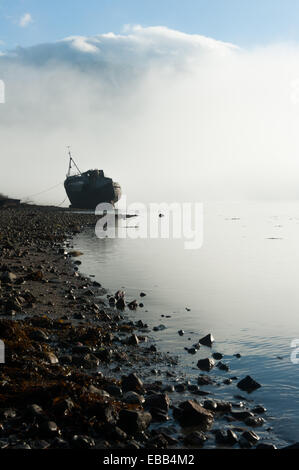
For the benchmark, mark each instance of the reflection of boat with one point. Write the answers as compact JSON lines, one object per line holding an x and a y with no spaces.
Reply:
{"x":87,"y":190}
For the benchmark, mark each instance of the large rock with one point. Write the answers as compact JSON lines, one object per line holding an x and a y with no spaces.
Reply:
{"x":190,"y":413}
{"x":248,"y":384}
{"x":226,"y":437}
{"x":132,"y":383}
{"x":207,"y":341}
{"x":158,"y":401}
{"x":206,"y":364}
{"x":133,"y":421}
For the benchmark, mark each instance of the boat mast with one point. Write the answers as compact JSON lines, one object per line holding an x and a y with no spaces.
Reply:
{"x":70,"y":162}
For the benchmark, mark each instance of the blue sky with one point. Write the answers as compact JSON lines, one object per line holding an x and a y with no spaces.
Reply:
{"x":243,"y":22}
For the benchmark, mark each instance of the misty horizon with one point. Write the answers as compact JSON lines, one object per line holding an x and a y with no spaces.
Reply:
{"x":170,"y":116}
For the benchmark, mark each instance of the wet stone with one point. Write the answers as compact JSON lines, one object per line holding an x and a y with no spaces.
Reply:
{"x":134,"y":421}
{"x":259,"y":409}
{"x":254,"y":421}
{"x":195,"y":439}
{"x":251,"y":437}
{"x":133,"y":398}
{"x":210,"y":405}
{"x":133,"y":340}
{"x":49,"y":428}
{"x":132,"y":383}
{"x":217,"y":356}
{"x":191,"y":413}
{"x":222,"y":366}
{"x":180,"y":388}
{"x":114,"y":390}
{"x":158,"y":401}
{"x":204,"y":380}
{"x":207,"y":340}
{"x":51,"y":358}
{"x":35,"y":410}
{"x":266,"y":446}
{"x":206,"y":364}
{"x":226,"y":437}
{"x":248,"y":384}
{"x":82,"y":442}
{"x":241,"y":415}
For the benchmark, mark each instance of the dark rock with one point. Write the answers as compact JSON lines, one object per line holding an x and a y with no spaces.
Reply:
{"x":264,"y":445}
{"x":114,"y":433}
{"x":181,"y":332}
{"x":82,"y":442}
{"x":204,"y":380}
{"x":51,"y":358}
{"x":114,"y":390}
{"x":223,"y":366}
{"x":168,"y":388}
{"x":232,"y":437}
{"x":207,"y":340}
{"x":133,"y":398}
{"x":121,"y":304}
{"x":133,"y":305}
{"x":190,"y":413}
{"x":104,"y":354}
{"x":158,"y":401}
{"x":248,"y":384}
{"x":206,"y":364}
{"x":132,"y":383}
{"x":192,"y":351}
{"x":241,"y":415}
{"x":254,"y":421}
{"x":8,"y":277}
{"x":39,"y":335}
{"x":159,"y":328}
{"x":35,"y":410}
{"x":132,"y":421}
{"x":193,"y":388}
{"x":49,"y":428}
{"x":227,"y":381}
{"x":180,"y":388}
{"x":251,"y":437}
{"x":259,"y":409}
{"x":217,"y":356}
{"x":210,"y":405}
{"x":96,"y":391}
{"x":195,"y":439}
{"x":133,"y":340}
{"x":9,"y":413}
{"x":157,"y":442}
{"x":224,"y":406}
{"x":228,"y":437}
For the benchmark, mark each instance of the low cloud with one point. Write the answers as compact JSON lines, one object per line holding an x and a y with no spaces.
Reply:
{"x":25,"y":20}
{"x":172,"y":116}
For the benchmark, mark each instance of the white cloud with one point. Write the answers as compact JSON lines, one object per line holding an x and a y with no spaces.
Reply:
{"x":187,"y":115}
{"x":25,"y":20}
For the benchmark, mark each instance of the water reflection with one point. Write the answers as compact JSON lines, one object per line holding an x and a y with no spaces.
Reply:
{"x":242,"y":286}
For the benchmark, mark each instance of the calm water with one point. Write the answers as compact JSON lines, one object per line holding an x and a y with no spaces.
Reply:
{"x":242,"y":286}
